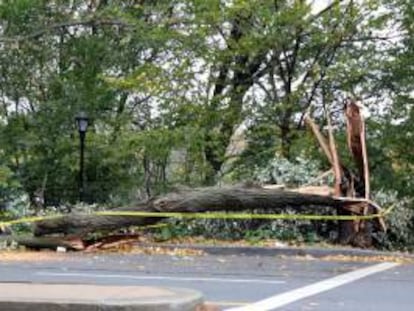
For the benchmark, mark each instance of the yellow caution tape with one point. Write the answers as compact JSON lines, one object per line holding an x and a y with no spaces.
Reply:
{"x":210,"y":215}
{"x":240,"y":216}
{"x":28,"y":220}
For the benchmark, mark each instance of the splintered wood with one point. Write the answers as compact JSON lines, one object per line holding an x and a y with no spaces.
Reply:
{"x":347,"y":183}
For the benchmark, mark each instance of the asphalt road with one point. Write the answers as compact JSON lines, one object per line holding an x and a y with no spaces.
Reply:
{"x":235,"y":281}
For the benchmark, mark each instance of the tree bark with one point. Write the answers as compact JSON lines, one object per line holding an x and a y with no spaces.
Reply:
{"x":196,"y":200}
{"x":347,"y":230}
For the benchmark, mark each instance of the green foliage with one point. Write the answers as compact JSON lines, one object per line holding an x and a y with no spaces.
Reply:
{"x":277,"y":169}
{"x":167,"y":83}
{"x":14,"y":202}
{"x":282,"y":171}
{"x":9,"y":185}
{"x":54,"y":73}
{"x":400,"y":223}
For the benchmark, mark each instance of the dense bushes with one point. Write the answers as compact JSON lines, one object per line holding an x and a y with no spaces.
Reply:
{"x":400,"y":222}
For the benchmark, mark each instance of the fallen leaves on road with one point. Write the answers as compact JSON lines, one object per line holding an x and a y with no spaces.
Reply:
{"x":18,"y":255}
{"x":382,"y":258}
{"x":200,"y":240}
{"x":155,"y":250}
{"x":24,"y":255}
{"x":402,"y":259}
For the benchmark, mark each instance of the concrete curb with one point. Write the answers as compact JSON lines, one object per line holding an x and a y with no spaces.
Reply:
{"x":77,"y":297}
{"x":280,"y":251}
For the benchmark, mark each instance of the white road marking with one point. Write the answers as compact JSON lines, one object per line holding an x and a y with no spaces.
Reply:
{"x":280,"y":300}
{"x":157,"y":278}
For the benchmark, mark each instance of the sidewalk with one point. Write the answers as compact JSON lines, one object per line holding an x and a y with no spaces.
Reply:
{"x":76,"y":297}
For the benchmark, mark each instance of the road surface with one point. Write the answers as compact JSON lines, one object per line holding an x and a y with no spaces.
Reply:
{"x":234,"y":282}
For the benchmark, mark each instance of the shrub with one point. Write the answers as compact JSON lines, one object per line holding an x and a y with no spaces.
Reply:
{"x":277,"y":171}
{"x":400,"y":223}
{"x":282,"y":171}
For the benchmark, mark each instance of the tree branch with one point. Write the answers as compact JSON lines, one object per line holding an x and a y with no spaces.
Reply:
{"x":90,"y":23}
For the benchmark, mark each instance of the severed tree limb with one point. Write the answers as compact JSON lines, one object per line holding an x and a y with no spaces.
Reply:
{"x":351,"y":178}
{"x":366,"y":172}
{"x":335,"y":160}
{"x":365,"y":160}
{"x":321,"y":139}
{"x":320,"y":190}
{"x":356,"y":137}
{"x":348,"y":230}
{"x":345,"y":181}
{"x":353,"y":134}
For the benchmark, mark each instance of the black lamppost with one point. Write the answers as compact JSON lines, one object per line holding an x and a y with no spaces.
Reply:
{"x":82,"y":122}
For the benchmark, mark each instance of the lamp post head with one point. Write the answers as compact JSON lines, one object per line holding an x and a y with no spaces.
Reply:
{"x":82,"y":121}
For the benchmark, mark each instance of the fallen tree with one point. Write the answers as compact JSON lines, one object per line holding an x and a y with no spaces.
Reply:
{"x":350,"y":196}
{"x":239,"y":198}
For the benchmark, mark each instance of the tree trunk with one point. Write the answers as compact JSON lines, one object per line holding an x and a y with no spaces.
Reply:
{"x":195,"y":200}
